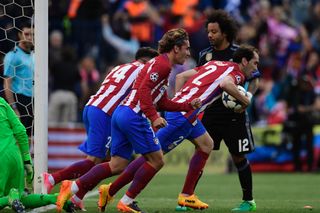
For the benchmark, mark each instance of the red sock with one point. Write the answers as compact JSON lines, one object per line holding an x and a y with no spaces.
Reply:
{"x":197,"y":162}
{"x":141,"y":178}
{"x":74,"y":171}
{"x":126,"y":176}
{"x":92,"y":178}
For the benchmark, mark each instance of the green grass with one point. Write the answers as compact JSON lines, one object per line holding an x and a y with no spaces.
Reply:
{"x":274,"y":193}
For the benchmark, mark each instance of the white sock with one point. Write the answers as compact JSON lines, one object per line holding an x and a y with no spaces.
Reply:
{"x":76,"y":199}
{"x":74,"y":187}
{"x":51,"y":180}
{"x":126,"y":200}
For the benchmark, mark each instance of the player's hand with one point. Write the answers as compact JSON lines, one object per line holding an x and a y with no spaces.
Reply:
{"x":29,"y":170}
{"x":241,"y":110}
{"x":196,"y":103}
{"x":159,"y":123}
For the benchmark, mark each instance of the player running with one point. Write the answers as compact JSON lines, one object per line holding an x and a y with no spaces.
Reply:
{"x":209,"y":82}
{"x":130,"y":127}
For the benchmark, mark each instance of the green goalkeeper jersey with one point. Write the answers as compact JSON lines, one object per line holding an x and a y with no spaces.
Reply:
{"x":12,"y":131}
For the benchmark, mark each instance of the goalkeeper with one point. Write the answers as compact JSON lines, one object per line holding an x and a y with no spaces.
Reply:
{"x":15,"y":160}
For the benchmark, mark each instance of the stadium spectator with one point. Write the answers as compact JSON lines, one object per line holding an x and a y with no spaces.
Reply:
{"x":207,"y":83}
{"x":90,"y":77}
{"x":97,"y":118}
{"x":300,"y":98}
{"x":221,"y":30}
{"x":63,"y":101}
{"x":16,"y":162}
{"x":130,"y":128}
{"x":126,"y":46}
{"x":143,"y":17}
{"x":19,"y":74}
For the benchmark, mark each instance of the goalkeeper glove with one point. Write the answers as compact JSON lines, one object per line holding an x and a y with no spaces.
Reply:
{"x":28,"y":167}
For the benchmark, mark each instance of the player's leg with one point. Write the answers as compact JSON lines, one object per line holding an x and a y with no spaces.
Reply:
{"x":239,"y":143}
{"x":204,"y":146}
{"x":31,"y":201}
{"x":11,"y":179}
{"x":144,"y":141}
{"x":172,"y":135}
{"x":97,"y":124}
{"x":154,"y":162}
{"x":101,"y":171}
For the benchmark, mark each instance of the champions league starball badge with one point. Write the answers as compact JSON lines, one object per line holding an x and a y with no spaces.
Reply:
{"x":208,"y":56}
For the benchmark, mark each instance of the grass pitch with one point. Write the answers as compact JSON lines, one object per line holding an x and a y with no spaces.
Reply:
{"x":274,"y":193}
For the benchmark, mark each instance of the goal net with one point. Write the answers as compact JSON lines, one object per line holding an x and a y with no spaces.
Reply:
{"x":35,"y":12}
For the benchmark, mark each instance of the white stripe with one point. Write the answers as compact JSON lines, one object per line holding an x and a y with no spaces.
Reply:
{"x":66,"y":137}
{"x":123,"y":90}
{"x":64,"y":150}
{"x":130,"y":97}
{"x":102,"y":96}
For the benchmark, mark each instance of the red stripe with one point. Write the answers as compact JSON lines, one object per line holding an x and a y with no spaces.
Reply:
{"x":64,"y":143}
{"x":67,"y":130}
{"x":66,"y":156}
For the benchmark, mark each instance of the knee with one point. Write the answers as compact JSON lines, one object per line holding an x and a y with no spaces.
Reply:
{"x":117,"y":168}
{"x":95,"y":160}
{"x":157,"y":163}
{"x":206,"y":146}
{"x":238,"y":158}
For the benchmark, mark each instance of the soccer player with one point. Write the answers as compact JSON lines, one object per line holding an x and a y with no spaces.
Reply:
{"x":97,"y":117}
{"x":130,"y":127}
{"x":217,"y":119}
{"x":207,"y":84}
{"x":15,"y":161}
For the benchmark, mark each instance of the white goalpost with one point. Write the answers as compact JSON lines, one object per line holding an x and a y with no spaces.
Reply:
{"x":40,"y":92}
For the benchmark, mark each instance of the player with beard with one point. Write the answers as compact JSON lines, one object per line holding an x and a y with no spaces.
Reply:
{"x":217,"y":119}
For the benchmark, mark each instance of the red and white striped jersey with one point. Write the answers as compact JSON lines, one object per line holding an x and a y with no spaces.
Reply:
{"x":149,"y":90}
{"x":115,"y":87}
{"x":206,"y":85}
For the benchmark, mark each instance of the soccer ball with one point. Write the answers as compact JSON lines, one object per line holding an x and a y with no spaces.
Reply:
{"x":230,"y":102}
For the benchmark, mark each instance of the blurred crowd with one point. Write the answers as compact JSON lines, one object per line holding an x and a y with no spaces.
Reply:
{"x":88,"y":37}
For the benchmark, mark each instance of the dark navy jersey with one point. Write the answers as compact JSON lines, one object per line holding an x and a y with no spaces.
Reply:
{"x":210,"y":54}
{"x":217,"y":112}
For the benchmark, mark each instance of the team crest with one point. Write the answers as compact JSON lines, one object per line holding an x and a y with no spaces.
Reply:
{"x":154,"y":76}
{"x":156,"y":140}
{"x":208,"y":56}
{"x":238,"y":79}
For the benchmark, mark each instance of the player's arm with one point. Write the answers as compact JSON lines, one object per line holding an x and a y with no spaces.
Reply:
{"x":254,"y":82}
{"x":19,"y":132}
{"x":230,"y":87}
{"x":165,"y":104}
{"x":183,"y":77}
{"x":253,"y":85}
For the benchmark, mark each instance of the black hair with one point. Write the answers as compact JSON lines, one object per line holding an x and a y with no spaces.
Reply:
{"x":244,"y":51}
{"x":226,"y":23}
{"x":24,"y":24}
{"x":146,"y":52}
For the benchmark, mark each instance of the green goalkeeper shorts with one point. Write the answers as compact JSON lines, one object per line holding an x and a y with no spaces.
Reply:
{"x":12,"y":171}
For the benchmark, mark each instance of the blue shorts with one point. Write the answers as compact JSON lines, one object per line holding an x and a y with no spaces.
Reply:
{"x":98,"y":127}
{"x":131,"y":132}
{"x":178,"y":129}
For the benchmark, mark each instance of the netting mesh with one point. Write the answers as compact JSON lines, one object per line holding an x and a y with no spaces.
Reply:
{"x":12,"y":14}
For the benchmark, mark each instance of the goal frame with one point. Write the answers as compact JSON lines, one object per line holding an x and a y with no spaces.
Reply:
{"x":40,"y":93}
